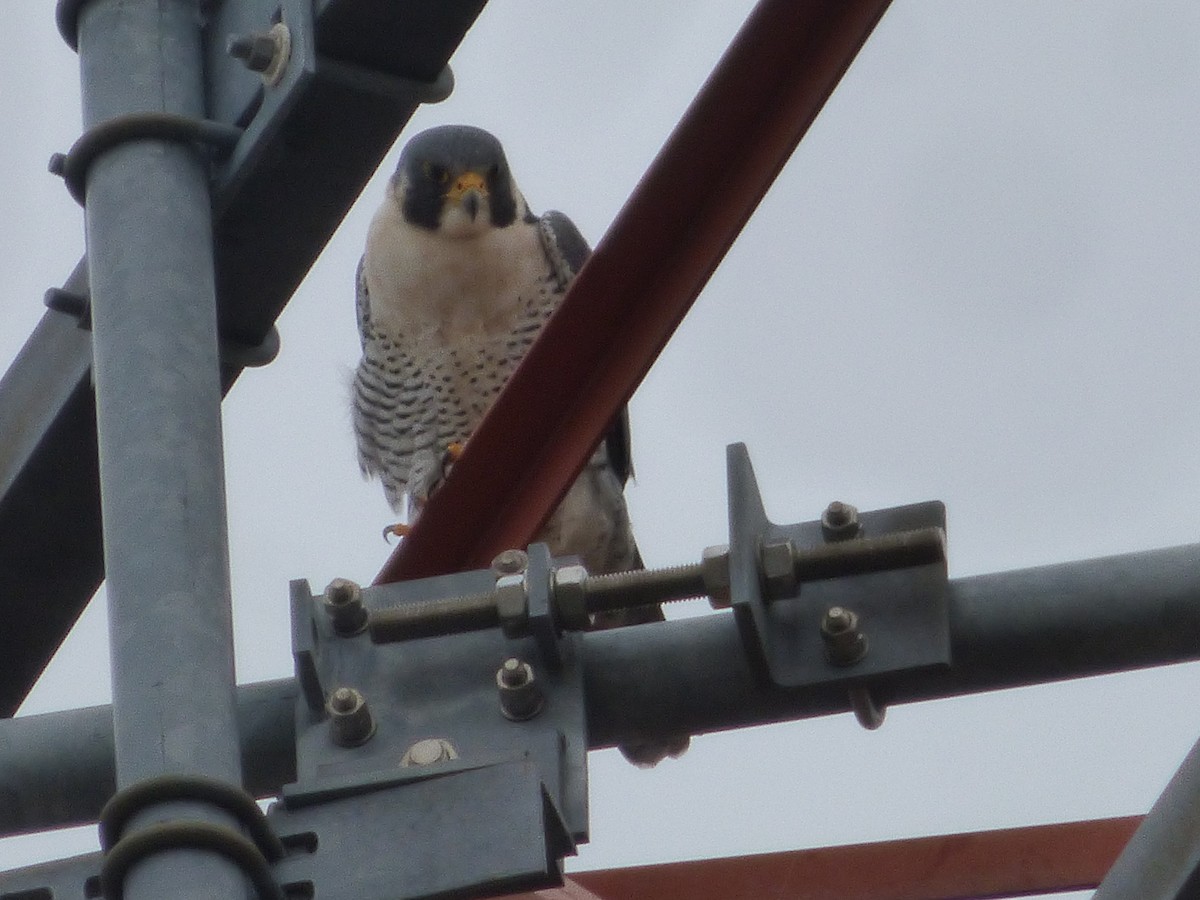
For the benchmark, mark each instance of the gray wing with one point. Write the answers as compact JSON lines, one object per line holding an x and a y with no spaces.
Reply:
{"x":568,"y":251}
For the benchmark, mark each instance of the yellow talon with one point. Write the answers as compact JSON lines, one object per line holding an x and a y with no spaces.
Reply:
{"x":454,"y":451}
{"x":400,"y":530}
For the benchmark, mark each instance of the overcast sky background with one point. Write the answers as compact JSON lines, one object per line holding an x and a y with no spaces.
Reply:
{"x":975,"y":281}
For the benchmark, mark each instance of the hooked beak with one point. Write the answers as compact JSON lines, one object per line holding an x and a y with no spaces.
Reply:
{"x":468,"y":190}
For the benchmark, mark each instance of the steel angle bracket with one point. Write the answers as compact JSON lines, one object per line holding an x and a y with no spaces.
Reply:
{"x":885,"y":585}
{"x":402,"y":735}
{"x":474,"y":832}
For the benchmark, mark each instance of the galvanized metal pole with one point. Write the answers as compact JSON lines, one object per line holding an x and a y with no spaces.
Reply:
{"x":1162,"y":859}
{"x":149,"y":236}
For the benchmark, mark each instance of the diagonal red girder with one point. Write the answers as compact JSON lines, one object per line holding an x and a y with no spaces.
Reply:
{"x":983,"y":864}
{"x":639,"y":283}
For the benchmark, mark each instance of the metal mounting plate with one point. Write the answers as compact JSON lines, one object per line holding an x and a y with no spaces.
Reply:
{"x":442,"y":688}
{"x":903,"y":612}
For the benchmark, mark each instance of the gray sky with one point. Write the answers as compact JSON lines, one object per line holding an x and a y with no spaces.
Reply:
{"x":975,"y":281}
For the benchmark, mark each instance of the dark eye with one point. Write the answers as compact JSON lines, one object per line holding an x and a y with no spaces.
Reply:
{"x":436,"y":173}
{"x":493,"y":172}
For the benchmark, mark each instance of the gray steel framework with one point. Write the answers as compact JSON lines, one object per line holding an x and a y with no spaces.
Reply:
{"x":169,"y":337}
{"x":1008,"y":629}
{"x":361,"y":67}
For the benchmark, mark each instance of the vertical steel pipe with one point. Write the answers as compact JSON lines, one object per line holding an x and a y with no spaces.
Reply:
{"x":149,"y":234}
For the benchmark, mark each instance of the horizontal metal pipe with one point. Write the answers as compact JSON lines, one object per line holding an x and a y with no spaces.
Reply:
{"x":56,"y":769}
{"x":1008,"y":629}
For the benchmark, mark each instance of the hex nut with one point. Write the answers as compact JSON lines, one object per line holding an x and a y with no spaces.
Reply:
{"x":266,"y":53}
{"x":429,"y":751}
{"x":840,"y":521}
{"x":714,"y":566}
{"x":570,"y":597}
{"x":521,"y":696}
{"x":845,"y":644}
{"x":343,"y":602}
{"x":778,"y":566}
{"x":510,"y":562}
{"x":350,"y":719}
{"x":512,"y":604}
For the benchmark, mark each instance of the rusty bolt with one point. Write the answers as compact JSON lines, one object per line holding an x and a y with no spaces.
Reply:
{"x":429,"y":751}
{"x":520,"y":696}
{"x":845,"y":644}
{"x":343,"y":602}
{"x":350,"y":721}
{"x":840,"y":522}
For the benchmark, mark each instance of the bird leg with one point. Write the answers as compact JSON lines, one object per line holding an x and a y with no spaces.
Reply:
{"x":418,"y":499}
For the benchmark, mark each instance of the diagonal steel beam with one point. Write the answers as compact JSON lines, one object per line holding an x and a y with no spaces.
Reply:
{"x":1004,"y":863}
{"x":640,"y":282}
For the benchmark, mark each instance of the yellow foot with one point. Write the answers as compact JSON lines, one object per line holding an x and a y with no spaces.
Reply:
{"x":454,"y":451}
{"x":400,"y":530}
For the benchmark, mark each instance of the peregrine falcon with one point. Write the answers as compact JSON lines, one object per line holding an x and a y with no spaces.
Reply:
{"x":457,"y":280}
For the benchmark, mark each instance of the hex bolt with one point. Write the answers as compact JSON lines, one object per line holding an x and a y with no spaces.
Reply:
{"x":343,"y":602}
{"x":521,"y":697}
{"x":840,"y":522}
{"x":264,"y":52}
{"x":510,"y":562}
{"x":845,"y":644}
{"x":429,"y":751}
{"x":350,"y":720}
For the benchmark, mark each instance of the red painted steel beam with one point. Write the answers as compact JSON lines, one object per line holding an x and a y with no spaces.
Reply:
{"x":569,"y":891}
{"x":982,"y":864}
{"x":639,"y":283}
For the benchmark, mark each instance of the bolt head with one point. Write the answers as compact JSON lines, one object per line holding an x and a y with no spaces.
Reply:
{"x":344,"y":700}
{"x":840,"y":521}
{"x":266,"y":53}
{"x":839,"y":620}
{"x":341,"y":591}
{"x":521,"y":696}
{"x":514,"y":673}
{"x":510,"y":562}
{"x":343,"y":602}
{"x":845,"y":644}
{"x":429,"y":751}
{"x":350,"y":720}
{"x":257,"y":51}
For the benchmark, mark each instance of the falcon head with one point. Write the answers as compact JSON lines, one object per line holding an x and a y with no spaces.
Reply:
{"x":454,"y":180}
